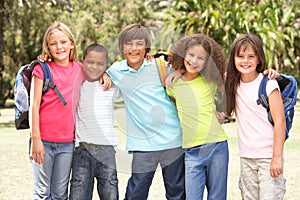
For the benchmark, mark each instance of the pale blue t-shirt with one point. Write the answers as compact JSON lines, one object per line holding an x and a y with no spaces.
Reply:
{"x":151,"y":118}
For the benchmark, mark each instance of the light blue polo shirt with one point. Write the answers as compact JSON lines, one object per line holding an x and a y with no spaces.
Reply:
{"x":151,"y":117}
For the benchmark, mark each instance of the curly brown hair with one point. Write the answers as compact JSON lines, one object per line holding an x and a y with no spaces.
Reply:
{"x":215,"y":65}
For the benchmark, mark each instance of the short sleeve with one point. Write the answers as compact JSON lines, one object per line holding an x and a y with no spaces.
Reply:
{"x":169,"y":92}
{"x":271,"y":86}
{"x":111,"y":72}
{"x":117,"y":93}
{"x":38,"y":72}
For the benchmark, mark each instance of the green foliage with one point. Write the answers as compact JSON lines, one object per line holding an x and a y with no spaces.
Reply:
{"x":91,"y":21}
{"x":23,"y":23}
{"x":275,"y":22}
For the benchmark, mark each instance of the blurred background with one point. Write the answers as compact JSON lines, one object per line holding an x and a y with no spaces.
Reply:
{"x":24,"y":22}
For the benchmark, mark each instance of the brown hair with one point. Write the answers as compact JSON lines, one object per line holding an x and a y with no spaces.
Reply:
{"x":215,"y":65}
{"x":241,"y":44}
{"x":65,"y":29}
{"x":132,"y":32}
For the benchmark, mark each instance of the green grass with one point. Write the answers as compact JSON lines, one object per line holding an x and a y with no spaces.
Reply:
{"x":16,"y":173}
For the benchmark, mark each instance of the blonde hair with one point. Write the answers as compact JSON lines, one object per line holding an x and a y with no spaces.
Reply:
{"x":65,"y":29}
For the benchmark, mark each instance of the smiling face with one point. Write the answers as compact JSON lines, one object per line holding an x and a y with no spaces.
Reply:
{"x":246,"y":61}
{"x":134,"y":52}
{"x":195,"y":59}
{"x":94,"y":65}
{"x":60,"y":47}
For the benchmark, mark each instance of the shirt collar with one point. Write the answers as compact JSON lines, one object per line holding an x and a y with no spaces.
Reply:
{"x":125,"y":67}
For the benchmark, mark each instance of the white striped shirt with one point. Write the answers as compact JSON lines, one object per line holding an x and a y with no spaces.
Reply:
{"x":95,"y":115}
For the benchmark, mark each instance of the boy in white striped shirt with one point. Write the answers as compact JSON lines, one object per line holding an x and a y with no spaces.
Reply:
{"x":95,"y":137}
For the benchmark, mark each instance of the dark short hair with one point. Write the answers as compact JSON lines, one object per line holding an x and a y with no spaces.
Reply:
{"x":98,"y":48}
{"x":133,"y":32}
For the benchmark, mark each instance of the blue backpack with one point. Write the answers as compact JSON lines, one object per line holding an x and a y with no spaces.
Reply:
{"x":22,"y":91}
{"x":288,"y":88}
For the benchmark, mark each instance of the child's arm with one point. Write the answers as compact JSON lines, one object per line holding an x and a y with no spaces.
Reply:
{"x":277,"y":112}
{"x":37,"y":147}
{"x":106,"y":81}
{"x":172,"y":78}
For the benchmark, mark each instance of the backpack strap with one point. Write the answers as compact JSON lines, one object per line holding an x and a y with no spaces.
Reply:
{"x":162,"y":69}
{"x":48,"y":82}
{"x":47,"y":76}
{"x":51,"y":85}
{"x":262,"y":94}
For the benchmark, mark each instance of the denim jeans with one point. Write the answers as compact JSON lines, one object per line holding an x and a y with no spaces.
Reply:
{"x":207,"y":165}
{"x":51,"y":179}
{"x":144,"y":165}
{"x":94,"y":161}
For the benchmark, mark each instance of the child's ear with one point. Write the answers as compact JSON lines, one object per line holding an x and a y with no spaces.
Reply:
{"x":72,"y":45}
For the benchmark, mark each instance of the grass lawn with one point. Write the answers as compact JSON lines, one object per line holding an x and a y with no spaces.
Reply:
{"x":16,"y":173}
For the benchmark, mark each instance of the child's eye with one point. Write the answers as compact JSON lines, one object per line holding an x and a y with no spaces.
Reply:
{"x":101,"y":64}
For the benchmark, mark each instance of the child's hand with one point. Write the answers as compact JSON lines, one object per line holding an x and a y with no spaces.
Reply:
{"x":149,"y":57}
{"x":220,"y":117}
{"x":106,"y":81}
{"x":172,"y":78}
{"x":272,"y":73}
{"x":37,"y":151}
{"x":276,"y":167}
{"x":43,"y":57}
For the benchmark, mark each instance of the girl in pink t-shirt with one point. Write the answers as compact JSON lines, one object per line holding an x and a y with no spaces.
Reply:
{"x":261,"y":145}
{"x":51,"y":122}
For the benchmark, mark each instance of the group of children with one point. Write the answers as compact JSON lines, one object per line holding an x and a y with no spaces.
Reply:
{"x":177,"y":127}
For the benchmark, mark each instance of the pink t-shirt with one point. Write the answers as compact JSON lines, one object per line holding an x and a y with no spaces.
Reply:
{"x":255,"y":133}
{"x":57,"y":121}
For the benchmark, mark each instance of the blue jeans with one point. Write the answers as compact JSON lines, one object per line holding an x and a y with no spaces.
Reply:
{"x":207,"y":165}
{"x":51,"y":179}
{"x":144,"y":165}
{"x":90,"y":161}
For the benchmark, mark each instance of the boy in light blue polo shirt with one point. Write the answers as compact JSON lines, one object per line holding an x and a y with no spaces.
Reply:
{"x":152,"y":125}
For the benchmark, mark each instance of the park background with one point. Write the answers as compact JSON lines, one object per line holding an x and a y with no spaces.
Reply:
{"x":23,"y":23}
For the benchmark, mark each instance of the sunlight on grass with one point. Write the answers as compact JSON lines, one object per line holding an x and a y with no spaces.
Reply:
{"x":16,"y":173}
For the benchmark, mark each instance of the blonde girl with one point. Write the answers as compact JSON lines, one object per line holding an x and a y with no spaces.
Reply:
{"x":51,"y":122}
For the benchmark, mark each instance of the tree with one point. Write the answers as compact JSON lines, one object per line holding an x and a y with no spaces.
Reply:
{"x":275,"y":22}
{"x":92,"y":21}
